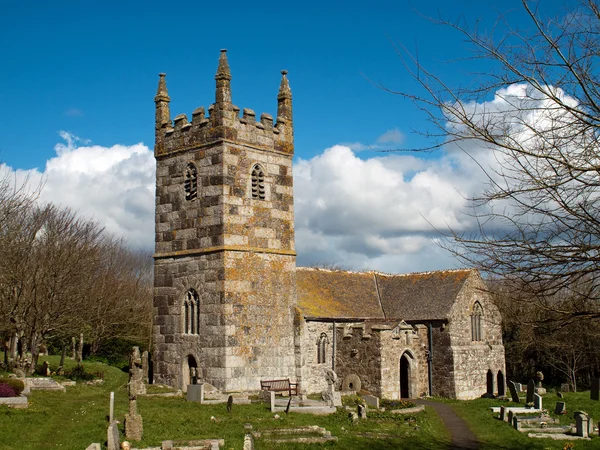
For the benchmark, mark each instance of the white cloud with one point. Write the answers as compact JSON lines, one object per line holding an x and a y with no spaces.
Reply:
{"x":393,"y":136}
{"x":113,"y":185}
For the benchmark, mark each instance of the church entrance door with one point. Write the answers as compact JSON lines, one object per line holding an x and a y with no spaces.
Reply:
{"x":405,"y":391}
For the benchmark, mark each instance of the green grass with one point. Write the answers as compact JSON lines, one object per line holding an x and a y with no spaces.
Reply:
{"x":76,"y":418}
{"x":494,"y":434}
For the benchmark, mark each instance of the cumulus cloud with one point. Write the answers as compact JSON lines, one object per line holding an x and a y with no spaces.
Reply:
{"x":113,"y":185}
{"x":393,"y":136}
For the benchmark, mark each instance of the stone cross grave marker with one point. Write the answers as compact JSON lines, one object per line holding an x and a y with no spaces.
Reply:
{"x":595,"y":392}
{"x":513,"y":392}
{"x":530,"y":391}
{"x":560,"y":408}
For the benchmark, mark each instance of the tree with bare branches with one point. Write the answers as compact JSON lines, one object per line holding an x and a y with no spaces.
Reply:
{"x":532,"y":125}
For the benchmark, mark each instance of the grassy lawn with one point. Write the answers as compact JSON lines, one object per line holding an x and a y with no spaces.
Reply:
{"x":494,"y":434}
{"x":74,"y":419}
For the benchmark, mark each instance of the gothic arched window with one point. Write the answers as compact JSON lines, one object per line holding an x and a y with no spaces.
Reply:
{"x":191,"y":313}
{"x":258,"y":183}
{"x":190,"y":184}
{"x":476,"y":334}
{"x":322,"y":348}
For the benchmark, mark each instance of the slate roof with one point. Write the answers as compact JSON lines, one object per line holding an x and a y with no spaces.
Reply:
{"x":340,"y":294}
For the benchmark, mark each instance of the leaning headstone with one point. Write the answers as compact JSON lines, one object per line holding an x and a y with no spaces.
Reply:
{"x":513,"y":392}
{"x":112,"y":439}
{"x":133,"y":422}
{"x":560,"y":408}
{"x":362,"y":412}
{"x":559,"y":394}
{"x":230,"y":403}
{"x":537,"y":401}
{"x":581,"y":423}
{"x":595,"y":392}
{"x":530,"y":392}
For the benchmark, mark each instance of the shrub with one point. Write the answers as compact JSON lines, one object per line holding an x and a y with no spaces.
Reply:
{"x":7,"y":391}
{"x":78,"y":373}
{"x":16,"y":385}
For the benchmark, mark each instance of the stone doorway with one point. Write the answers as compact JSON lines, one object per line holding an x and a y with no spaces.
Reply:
{"x":406,"y":361}
{"x":189,"y":371}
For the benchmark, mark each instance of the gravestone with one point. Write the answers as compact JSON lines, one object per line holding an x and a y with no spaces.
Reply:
{"x":112,"y":439}
{"x":581,"y":423}
{"x":565,"y":387}
{"x":145,"y":369}
{"x":111,"y":411}
{"x":559,"y":394}
{"x":530,"y":392}
{"x":271,"y":400}
{"x":537,"y":401}
{"x":362,"y":412}
{"x":502,"y":413}
{"x":134,"y":427}
{"x":330,"y":395}
{"x":595,"y":392}
{"x":46,"y":369}
{"x":560,"y":408}
{"x":510,"y":417}
{"x":519,"y":387}
{"x":230,"y":403}
{"x":371,"y":401}
{"x":195,"y":393}
{"x":136,"y":377}
{"x":517,"y":423}
{"x":513,"y":392}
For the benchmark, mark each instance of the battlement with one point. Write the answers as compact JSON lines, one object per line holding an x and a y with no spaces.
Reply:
{"x":224,"y":122}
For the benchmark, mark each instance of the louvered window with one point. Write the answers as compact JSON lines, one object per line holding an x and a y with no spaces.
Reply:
{"x":191,"y":182}
{"x":258,"y":183}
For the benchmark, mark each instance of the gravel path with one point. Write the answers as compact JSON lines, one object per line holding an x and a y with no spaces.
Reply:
{"x":462,"y":436}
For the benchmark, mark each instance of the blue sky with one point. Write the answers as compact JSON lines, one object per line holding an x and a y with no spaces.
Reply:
{"x":89,"y":70}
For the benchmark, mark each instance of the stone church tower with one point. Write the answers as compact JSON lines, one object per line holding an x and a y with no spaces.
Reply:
{"x":225,"y":263}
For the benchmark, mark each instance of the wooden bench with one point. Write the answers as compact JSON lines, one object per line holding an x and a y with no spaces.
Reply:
{"x":279,"y":386}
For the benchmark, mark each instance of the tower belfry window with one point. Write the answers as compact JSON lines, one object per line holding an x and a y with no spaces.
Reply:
{"x":190,"y":185}
{"x":191,"y":313}
{"x":258,"y":183}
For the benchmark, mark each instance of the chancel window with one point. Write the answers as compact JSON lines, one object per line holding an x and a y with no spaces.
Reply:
{"x":476,"y":333}
{"x":322,"y":348}
{"x":258,"y":183}
{"x":190,"y":184}
{"x":191,"y":313}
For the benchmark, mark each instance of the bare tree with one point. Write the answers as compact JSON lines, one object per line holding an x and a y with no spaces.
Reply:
{"x":538,"y":219}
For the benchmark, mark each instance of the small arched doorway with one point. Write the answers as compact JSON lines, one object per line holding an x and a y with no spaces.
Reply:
{"x":189,"y":372}
{"x":501,"y":384}
{"x":405,"y":375}
{"x":490,"y":383}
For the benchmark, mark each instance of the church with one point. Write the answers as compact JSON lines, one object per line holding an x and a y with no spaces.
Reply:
{"x":231,"y":306}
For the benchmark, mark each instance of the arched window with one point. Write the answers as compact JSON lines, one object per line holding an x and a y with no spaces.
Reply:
{"x":322,"y":348}
{"x":476,"y":334}
{"x":190,"y":184}
{"x":191,"y":313}
{"x":258,"y":183}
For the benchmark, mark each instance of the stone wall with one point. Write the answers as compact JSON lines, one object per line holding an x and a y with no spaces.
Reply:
{"x":443,"y":362}
{"x":313,"y":373}
{"x":358,"y":352}
{"x":473,"y":359}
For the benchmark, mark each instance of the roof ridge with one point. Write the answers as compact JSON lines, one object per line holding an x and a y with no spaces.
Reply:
{"x":377,"y":272}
